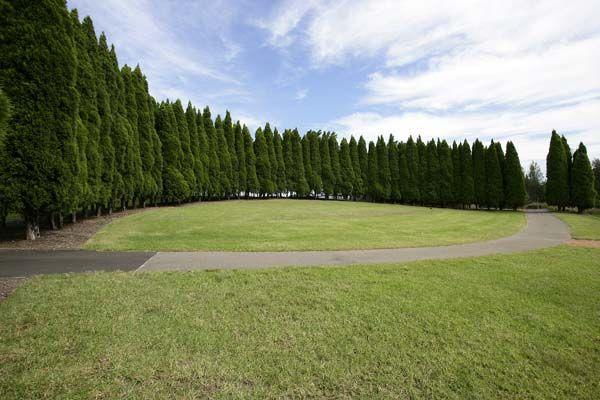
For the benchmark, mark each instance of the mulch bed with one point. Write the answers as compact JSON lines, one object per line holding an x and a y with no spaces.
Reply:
{"x":72,"y":236}
{"x":592,"y":244}
{"x":8,"y":285}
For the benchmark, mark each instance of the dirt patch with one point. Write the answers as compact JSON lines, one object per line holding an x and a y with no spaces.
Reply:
{"x":72,"y":236}
{"x":593,"y":244}
{"x":8,"y":285}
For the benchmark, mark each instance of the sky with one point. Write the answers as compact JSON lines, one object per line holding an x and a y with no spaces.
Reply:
{"x":507,"y":70}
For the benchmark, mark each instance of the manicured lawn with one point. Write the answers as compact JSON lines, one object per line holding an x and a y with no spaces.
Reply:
{"x":519,"y":326}
{"x":582,"y":226}
{"x":279,"y":225}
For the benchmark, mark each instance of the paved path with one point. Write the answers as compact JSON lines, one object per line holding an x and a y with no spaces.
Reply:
{"x":542,"y":230}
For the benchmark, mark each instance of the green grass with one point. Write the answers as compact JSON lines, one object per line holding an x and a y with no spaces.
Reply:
{"x":518,"y":326}
{"x":280,"y":225}
{"x":582,"y":226}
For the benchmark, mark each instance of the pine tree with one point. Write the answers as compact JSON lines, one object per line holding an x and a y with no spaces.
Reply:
{"x":240,"y":158}
{"x":147,"y":137}
{"x":252,"y":183}
{"x":385,"y":179}
{"x":374,"y":191}
{"x":358,"y":189}
{"x":403,"y":173}
{"x":287,"y":158}
{"x":203,"y":155}
{"x":584,"y":193}
{"x":268,"y":133}
{"x":467,"y":190}
{"x":395,"y":193}
{"x":136,"y":177}
{"x":363,"y":159}
{"x":534,"y":183}
{"x":430,"y":194}
{"x":326,"y":171}
{"x":192,"y":127}
{"x":479,"y":176}
{"x":596,"y":169}
{"x":7,"y":201}
{"x":175,"y":187}
{"x":214,"y":165}
{"x":569,"y":158}
{"x":187,"y":161}
{"x":346,"y":172}
{"x":494,"y":187}
{"x":233,"y":173}
{"x":502,"y":162}
{"x":263,"y":164}
{"x":280,"y":178}
{"x":446,"y":173}
{"x":39,"y":133}
{"x":557,"y":172}
{"x":315,"y":160}
{"x":334,"y":156}
{"x":421,"y":180}
{"x":515,"y":194}
{"x":222,"y":149}
{"x":301,"y":188}
{"x":308,"y":172}
{"x":412,"y":194}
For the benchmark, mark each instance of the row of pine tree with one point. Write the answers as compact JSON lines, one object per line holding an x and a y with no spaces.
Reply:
{"x":86,"y":137}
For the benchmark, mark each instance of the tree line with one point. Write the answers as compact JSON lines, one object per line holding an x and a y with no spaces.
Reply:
{"x":85,"y":137}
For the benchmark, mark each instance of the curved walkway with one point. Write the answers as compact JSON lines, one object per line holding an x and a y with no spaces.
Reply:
{"x":542,"y":230}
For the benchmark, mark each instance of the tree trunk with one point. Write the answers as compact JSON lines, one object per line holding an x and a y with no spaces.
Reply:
{"x":53,"y":221}
{"x":98,"y":211}
{"x":74,"y":217}
{"x":32,"y":229}
{"x":61,"y":223}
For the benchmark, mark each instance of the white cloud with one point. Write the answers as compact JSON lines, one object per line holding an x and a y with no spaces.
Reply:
{"x":529,"y":131}
{"x":301,"y":94}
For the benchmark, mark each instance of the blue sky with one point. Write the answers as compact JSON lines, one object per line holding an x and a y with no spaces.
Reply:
{"x":461,"y":69}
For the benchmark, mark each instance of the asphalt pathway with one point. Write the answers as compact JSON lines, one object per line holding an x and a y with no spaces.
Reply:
{"x":542,"y":230}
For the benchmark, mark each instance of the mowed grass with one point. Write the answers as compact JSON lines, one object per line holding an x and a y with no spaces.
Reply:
{"x":583,"y":226}
{"x":518,"y":326}
{"x":280,"y":225}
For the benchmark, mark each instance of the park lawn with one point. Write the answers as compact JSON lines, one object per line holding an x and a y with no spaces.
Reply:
{"x":283,"y":225}
{"x":516,"y":326}
{"x":583,"y":226}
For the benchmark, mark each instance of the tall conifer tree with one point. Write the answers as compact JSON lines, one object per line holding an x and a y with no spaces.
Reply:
{"x":494,"y":187}
{"x":346,"y":171}
{"x":252,"y":183}
{"x":584,"y":193}
{"x":515,"y":194}
{"x":395,"y":194}
{"x":479,"y":176}
{"x":557,"y":172}
{"x":358,"y":189}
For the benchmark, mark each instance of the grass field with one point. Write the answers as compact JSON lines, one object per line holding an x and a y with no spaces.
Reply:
{"x":582,"y":226}
{"x":280,"y":225}
{"x":519,"y":326}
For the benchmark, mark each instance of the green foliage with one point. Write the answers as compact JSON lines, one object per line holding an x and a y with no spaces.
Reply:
{"x":514,"y":194}
{"x":394,"y":166}
{"x":430,"y":194}
{"x":358,"y":185}
{"x":240,"y":158}
{"x":263,"y":164}
{"x":299,"y":180}
{"x":280,"y":177}
{"x":446,"y":173}
{"x":584,"y":193}
{"x":494,"y":186}
{"x":467,"y":190}
{"x":412,"y":194}
{"x":557,"y":172}
{"x":479,"y":176}
{"x":346,"y":171}
{"x":252,"y":183}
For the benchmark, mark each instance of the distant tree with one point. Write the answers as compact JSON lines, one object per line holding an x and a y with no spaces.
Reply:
{"x":315,"y":160}
{"x":301,"y":186}
{"x":7,"y":202}
{"x":308,"y":172}
{"x":422,"y":157}
{"x":214,"y":165}
{"x":403,"y":174}
{"x":252,"y":182}
{"x":334,"y":156}
{"x":569,"y":158}
{"x":557,"y":172}
{"x":514,"y":194}
{"x":430,"y":194}
{"x":364,"y":165}
{"x":479,"y":176}
{"x":383,"y":169}
{"x":374,"y":191}
{"x":392,"y":150}
{"x":467,"y":190}
{"x":596,"y":168}
{"x":346,"y":171}
{"x":240,"y":158}
{"x":357,"y":183}
{"x":234,"y":173}
{"x":204,"y":152}
{"x":446,"y":173}
{"x":534,"y":183}
{"x":226,"y":170}
{"x":413,"y":193}
{"x":456,"y":171}
{"x":502,"y":162}
{"x":263,"y":164}
{"x":326,"y":170}
{"x":280,"y":178}
{"x":186,"y":163}
{"x":493,"y":171}
{"x":268,"y":134}
{"x":584,"y":193}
